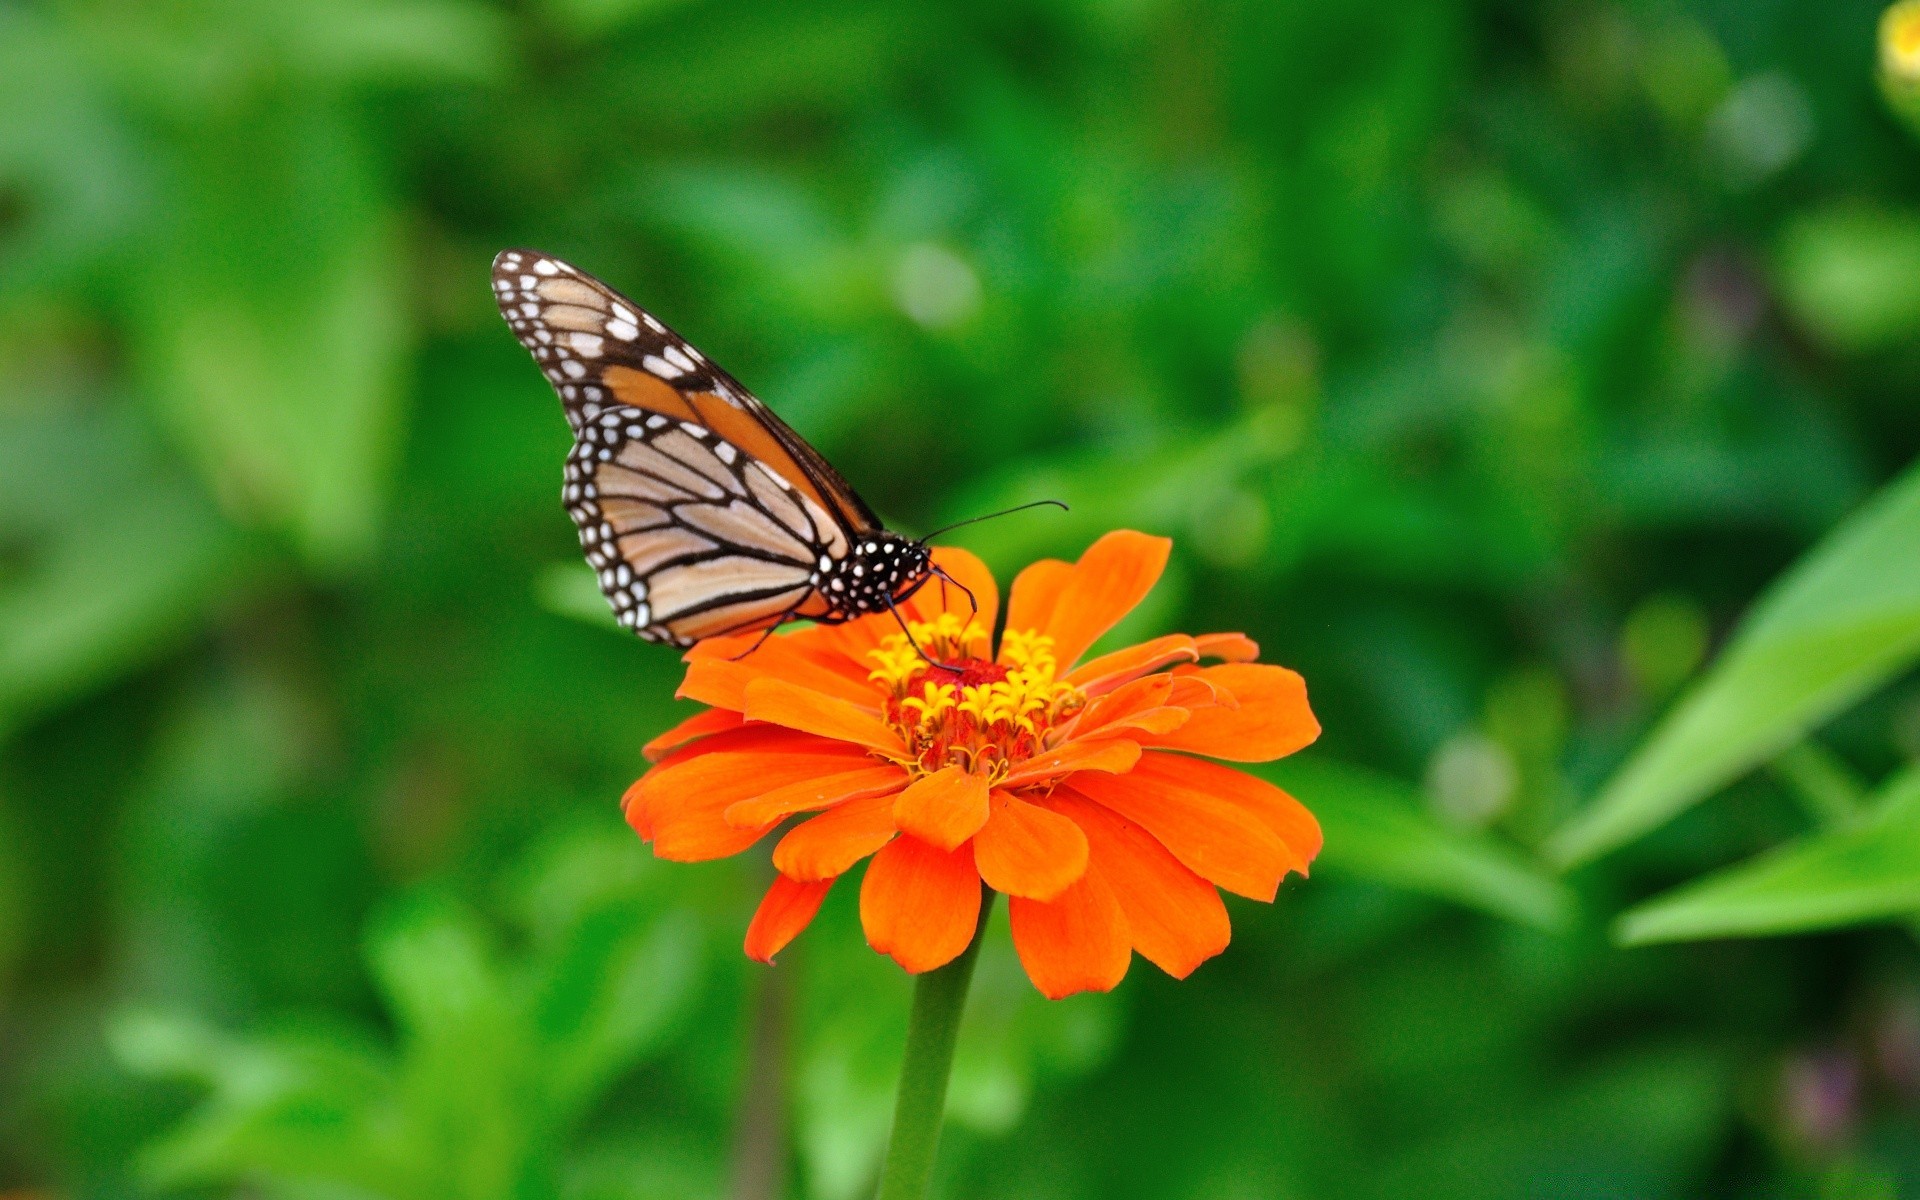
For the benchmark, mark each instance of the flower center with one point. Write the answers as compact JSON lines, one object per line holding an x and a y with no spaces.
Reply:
{"x":972,"y":712}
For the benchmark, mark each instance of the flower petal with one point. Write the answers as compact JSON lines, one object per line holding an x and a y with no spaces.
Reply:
{"x":943,"y":809}
{"x":1101,"y":675}
{"x":828,"y":845}
{"x":1286,"y":817}
{"x":786,"y":909}
{"x":1075,"y":943}
{"x":1114,"y":574}
{"x":1228,"y":647}
{"x":1272,"y":719}
{"x":822,"y":791}
{"x":1035,"y":591}
{"x":699,"y":725}
{"x":936,"y":595}
{"x":678,"y":805}
{"x":781,"y":703}
{"x":919,"y":904}
{"x":1165,"y":719}
{"x":1174,"y":918}
{"x":1025,"y":850}
{"x":718,"y":679}
{"x":748,"y":739}
{"x":1147,"y":704}
{"x":1093,"y":754}
{"x":1217,"y":839}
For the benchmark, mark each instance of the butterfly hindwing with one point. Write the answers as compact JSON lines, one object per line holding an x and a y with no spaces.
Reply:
{"x":687,"y":535}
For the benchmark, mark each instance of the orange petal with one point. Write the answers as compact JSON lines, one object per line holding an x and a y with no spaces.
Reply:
{"x":1228,"y":647}
{"x":1035,"y":592}
{"x":919,"y":904}
{"x":1152,"y":720}
{"x":853,"y":639}
{"x":943,"y":809}
{"x":1286,"y":817}
{"x":1150,"y":692}
{"x":1095,"y":754}
{"x":1272,"y":719}
{"x":695,"y":727}
{"x":1075,"y":943}
{"x":825,"y":647}
{"x":1174,"y":918}
{"x":785,"y":910}
{"x":749,"y":739}
{"x":1109,"y":671}
{"x":829,"y":844}
{"x":1219,"y":840}
{"x":822,"y":791}
{"x":1147,"y":704}
{"x":937,"y":595}
{"x":1028,"y":851}
{"x":1192,"y":690}
{"x":678,"y":805}
{"x":781,"y":703}
{"x":722,"y":681}
{"x":1114,"y":574}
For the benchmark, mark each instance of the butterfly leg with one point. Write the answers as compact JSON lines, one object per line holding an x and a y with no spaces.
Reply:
{"x":928,"y":658}
{"x":973,"y":605}
{"x":767,"y":632}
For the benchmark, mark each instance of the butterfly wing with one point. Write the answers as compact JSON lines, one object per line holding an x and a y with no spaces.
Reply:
{"x":702,"y":512}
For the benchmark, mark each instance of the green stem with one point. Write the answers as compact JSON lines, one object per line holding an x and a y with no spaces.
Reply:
{"x":939,"y":997}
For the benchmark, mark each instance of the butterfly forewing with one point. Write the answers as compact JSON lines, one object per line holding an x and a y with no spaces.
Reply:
{"x":701,"y":512}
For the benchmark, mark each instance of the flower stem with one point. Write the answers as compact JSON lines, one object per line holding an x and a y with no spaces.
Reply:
{"x":939,"y":997}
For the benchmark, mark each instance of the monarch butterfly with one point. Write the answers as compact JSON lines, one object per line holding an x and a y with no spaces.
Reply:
{"x":702,"y":512}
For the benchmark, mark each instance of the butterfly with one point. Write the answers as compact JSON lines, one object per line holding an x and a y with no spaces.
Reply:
{"x":701,"y":511}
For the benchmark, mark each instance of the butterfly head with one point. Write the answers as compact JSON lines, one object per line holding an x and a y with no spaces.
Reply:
{"x":880,"y":569}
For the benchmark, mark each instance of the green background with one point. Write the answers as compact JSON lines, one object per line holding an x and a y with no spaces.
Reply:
{"x":1486,"y":362}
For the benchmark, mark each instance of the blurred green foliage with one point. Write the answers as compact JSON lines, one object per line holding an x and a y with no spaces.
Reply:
{"x":1538,"y":379}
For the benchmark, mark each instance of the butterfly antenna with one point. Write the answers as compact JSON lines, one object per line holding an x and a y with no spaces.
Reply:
{"x":1059,"y":504}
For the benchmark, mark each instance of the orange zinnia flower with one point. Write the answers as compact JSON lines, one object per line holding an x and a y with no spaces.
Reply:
{"x":1071,"y":786}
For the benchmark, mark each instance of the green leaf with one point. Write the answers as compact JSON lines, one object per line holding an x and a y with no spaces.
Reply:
{"x":1838,"y":625}
{"x":270,"y":323}
{"x":1852,"y":275}
{"x":302,"y":1106}
{"x":597,"y":18}
{"x":614,"y":989}
{"x":569,"y":589}
{"x":110,"y":576}
{"x":1869,"y":871}
{"x":1376,"y":829}
{"x":435,"y":965}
